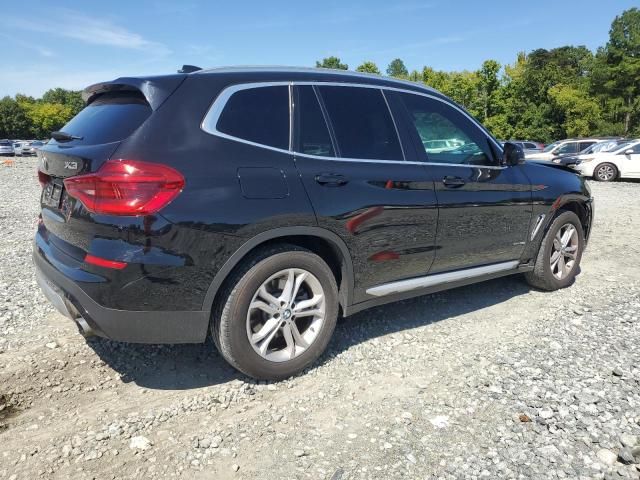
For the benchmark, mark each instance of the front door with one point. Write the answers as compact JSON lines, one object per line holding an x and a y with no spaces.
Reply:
{"x":630,"y":162}
{"x":361,"y":187}
{"x":484,"y":208}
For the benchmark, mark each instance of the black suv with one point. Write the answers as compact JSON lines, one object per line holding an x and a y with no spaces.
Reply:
{"x":259,"y":204}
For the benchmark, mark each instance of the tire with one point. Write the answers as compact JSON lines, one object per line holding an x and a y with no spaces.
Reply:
{"x":605,"y":172}
{"x":236,"y":320}
{"x":543,"y":276}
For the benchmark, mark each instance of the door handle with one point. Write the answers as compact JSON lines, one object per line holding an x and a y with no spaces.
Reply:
{"x":453,"y":182}
{"x":331,"y":179}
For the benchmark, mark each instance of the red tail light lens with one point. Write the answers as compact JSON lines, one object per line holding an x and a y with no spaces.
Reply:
{"x":126,"y":187}
{"x":43,"y":178}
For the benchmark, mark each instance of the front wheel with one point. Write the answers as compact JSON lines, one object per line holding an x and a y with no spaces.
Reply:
{"x":277,"y":314}
{"x":558,"y":259}
{"x":605,"y":172}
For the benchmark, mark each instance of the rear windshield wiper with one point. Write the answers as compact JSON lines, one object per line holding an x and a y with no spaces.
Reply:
{"x":64,"y":137}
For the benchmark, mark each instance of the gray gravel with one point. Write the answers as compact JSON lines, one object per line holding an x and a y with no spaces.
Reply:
{"x":489,"y":381}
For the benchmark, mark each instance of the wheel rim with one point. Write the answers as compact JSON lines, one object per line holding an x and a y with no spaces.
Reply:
{"x":565,"y":251}
{"x":605,"y":172}
{"x":286,"y":314}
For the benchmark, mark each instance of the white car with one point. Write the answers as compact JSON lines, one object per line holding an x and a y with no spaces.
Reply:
{"x":562,"y":147}
{"x":623,"y":162}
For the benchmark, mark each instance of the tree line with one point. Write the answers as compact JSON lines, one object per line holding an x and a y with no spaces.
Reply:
{"x":544,"y":95}
{"x":25,"y":117}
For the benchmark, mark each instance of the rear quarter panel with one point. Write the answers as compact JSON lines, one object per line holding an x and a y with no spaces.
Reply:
{"x":212,"y":217}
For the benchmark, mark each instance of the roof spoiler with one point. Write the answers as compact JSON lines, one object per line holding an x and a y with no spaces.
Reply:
{"x":155,"y":89}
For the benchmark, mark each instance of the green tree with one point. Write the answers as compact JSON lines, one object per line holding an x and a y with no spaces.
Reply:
{"x":48,"y":117}
{"x":368,"y":67}
{"x":14,"y":122}
{"x":488,"y":85}
{"x":617,"y":71}
{"x":332,"y":62}
{"x":72,"y":98}
{"x":397,"y":69}
{"x":582,"y":114}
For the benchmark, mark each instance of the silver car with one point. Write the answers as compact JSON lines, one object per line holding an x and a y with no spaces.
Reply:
{"x":26,"y":148}
{"x":6,"y":149}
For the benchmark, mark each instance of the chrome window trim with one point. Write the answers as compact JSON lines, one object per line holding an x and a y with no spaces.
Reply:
{"x":210,"y":120}
{"x":439,"y":279}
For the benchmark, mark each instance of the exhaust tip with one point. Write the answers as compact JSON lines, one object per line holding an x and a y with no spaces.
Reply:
{"x":84,"y":328}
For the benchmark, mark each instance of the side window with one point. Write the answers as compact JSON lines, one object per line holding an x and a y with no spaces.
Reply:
{"x":635,"y":148}
{"x":446,"y":134}
{"x":362,"y":123}
{"x":259,"y":115}
{"x":585,"y":145}
{"x":312,"y":131}
{"x":530,"y":146}
{"x":570,"y":147}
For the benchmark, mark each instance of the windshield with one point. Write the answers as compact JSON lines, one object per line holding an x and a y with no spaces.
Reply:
{"x":550,"y":147}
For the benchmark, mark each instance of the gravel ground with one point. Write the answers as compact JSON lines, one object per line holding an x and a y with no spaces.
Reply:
{"x":488,"y":381}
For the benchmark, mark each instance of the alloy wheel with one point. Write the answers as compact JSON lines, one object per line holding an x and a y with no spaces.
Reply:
{"x":286,"y":314}
{"x":564,"y":251}
{"x":606,"y":173}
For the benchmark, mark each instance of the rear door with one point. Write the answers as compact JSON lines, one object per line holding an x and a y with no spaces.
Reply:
{"x":360,"y":184}
{"x":484,"y":208}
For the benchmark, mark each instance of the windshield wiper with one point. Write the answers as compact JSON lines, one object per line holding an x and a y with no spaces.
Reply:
{"x":64,"y":137}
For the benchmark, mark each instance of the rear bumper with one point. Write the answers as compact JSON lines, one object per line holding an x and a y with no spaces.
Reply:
{"x":121,"y":325}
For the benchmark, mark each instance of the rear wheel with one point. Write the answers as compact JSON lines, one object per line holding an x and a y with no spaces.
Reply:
{"x":605,"y":172}
{"x":558,"y":259}
{"x":277,"y":313}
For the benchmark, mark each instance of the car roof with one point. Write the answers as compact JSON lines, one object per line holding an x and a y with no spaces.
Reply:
{"x":319,"y":74}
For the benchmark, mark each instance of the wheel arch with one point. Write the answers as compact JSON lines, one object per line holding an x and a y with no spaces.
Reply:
{"x":329,"y":246}
{"x":577,"y":204}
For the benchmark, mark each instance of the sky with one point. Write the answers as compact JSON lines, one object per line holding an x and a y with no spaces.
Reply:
{"x":72,"y":44}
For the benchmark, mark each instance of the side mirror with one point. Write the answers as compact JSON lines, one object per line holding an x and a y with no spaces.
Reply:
{"x":512,"y":154}
{"x":629,"y":152}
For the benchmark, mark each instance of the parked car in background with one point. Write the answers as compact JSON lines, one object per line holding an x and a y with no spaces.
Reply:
{"x":27,"y":149}
{"x":605,"y":146}
{"x":6,"y":148}
{"x":622,"y":162}
{"x":528,"y":146}
{"x":562,"y":147}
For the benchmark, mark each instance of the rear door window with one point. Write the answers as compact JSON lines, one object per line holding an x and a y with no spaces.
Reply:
{"x":585,"y":145}
{"x":109,"y":118}
{"x":313,"y":134}
{"x":362,"y":123}
{"x":259,"y":115}
{"x":570,"y":147}
{"x":530,"y":146}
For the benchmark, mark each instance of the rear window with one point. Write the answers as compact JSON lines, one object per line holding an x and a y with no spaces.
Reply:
{"x":259,"y":115}
{"x":362,"y":123}
{"x":109,"y":118}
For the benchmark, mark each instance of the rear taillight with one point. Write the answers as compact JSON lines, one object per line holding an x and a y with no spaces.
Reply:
{"x":43,"y":178}
{"x":126,"y":187}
